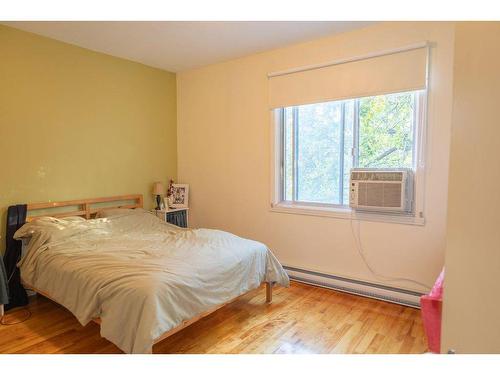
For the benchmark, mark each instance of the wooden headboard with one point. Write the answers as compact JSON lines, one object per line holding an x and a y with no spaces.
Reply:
{"x":86,"y":208}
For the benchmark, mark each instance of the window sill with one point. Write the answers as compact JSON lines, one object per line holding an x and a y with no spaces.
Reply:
{"x":345,"y":213}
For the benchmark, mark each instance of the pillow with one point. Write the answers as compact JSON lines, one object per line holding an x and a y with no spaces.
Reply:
{"x":46,"y":225}
{"x":110,"y":212}
{"x":46,"y":220}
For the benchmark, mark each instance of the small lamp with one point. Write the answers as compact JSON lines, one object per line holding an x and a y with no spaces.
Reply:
{"x":158,"y":190}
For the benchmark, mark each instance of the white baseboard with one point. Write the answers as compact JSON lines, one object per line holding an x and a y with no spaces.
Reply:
{"x":361,"y":288}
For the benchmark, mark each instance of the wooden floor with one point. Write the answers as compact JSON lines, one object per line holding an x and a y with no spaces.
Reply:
{"x":301,"y":319}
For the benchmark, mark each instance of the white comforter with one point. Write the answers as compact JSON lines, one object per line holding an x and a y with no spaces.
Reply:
{"x":140,"y":275}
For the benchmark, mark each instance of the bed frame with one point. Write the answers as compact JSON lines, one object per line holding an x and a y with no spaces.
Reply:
{"x":84,"y":207}
{"x":87,"y":208}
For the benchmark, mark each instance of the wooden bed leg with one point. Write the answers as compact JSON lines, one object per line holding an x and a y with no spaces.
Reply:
{"x":269,"y":292}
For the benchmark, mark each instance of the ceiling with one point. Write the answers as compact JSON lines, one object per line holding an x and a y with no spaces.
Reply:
{"x":177,"y":46}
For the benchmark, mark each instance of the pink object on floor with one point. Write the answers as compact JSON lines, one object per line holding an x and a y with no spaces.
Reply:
{"x":431,"y":305}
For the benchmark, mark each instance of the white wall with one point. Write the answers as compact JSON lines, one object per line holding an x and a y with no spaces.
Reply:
{"x":472,"y":288}
{"x":224,"y":154}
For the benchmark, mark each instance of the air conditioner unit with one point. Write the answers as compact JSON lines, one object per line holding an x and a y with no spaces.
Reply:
{"x":381,"y":190}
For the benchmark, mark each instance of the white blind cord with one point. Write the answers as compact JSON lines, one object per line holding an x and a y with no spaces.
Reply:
{"x":359,"y":248}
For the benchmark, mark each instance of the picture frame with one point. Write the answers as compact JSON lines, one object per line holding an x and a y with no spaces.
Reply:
{"x":180,"y":196}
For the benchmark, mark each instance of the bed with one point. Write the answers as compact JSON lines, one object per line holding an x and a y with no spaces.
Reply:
{"x":139,"y":277}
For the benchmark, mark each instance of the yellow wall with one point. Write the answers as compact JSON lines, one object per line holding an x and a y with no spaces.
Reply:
{"x":471,"y":294}
{"x":80,"y":124}
{"x":224,"y":154}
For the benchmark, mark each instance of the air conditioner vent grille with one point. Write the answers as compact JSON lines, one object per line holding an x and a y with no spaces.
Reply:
{"x":379,"y":195}
{"x":377,"y":176}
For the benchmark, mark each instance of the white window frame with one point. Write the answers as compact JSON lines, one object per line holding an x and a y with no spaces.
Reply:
{"x":416,"y":217}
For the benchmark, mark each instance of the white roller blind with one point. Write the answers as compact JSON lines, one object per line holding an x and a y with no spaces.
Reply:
{"x":366,"y":76}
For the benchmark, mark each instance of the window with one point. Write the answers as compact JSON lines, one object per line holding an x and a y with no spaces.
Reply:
{"x":320,"y":143}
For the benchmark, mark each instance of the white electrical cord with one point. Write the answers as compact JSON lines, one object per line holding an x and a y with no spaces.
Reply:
{"x":359,"y":248}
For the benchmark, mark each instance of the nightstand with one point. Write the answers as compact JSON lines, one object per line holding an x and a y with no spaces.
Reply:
{"x":176,"y":216}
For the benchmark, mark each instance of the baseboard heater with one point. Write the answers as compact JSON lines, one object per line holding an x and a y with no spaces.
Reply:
{"x":358,"y":287}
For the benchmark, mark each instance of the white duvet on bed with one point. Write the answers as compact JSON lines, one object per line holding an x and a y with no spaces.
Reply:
{"x":140,"y":275}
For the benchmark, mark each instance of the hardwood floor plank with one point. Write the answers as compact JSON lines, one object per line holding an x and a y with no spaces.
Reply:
{"x":301,"y":319}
